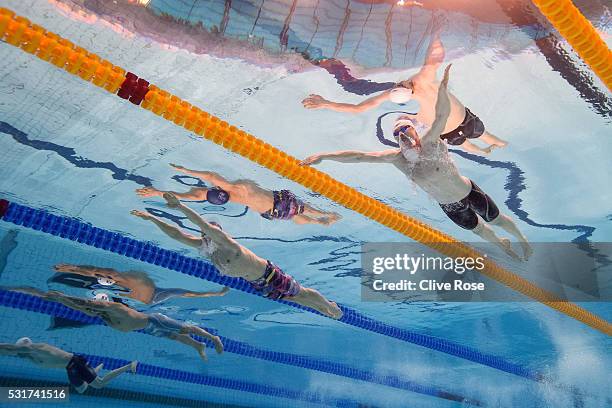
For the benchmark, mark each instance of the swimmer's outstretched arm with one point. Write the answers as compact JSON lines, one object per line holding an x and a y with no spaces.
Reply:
{"x":434,"y":58}
{"x":212,"y":177}
{"x":8,"y":349}
{"x":170,"y":230}
{"x":87,"y":306}
{"x":89,"y":270}
{"x":194,"y":193}
{"x":353,"y":156}
{"x":210,"y":230}
{"x":318,"y":102}
{"x":432,"y":137}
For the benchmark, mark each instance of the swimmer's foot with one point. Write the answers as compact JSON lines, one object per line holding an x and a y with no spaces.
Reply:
{"x":527,"y":250}
{"x":332,"y":218}
{"x":218,"y":344}
{"x":334,"y":311}
{"x":202,"y":351}
{"x":134,"y":366}
{"x":506,"y":245}
{"x":500,"y":143}
{"x":142,"y":214}
{"x":148,"y":192}
{"x":171,"y":200}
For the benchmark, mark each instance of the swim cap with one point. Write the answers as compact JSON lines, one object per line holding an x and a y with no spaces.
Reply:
{"x":104,"y":281}
{"x":216,"y":224}
{"x":101,"y":296}
{"x":400,"y":94}
{"x":24,"y":341}
{"x":217,"y":196}
{"x":400,"y":123}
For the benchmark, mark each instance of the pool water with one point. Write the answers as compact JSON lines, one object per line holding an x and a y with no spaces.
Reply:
{"x":72,"y":150}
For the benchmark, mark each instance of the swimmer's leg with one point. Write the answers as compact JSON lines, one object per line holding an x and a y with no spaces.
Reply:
{"x":187,"y":340}
{"x":198,"y":331}
{"x":170,"y":230}
{"x":491,"y":139}
{"x":102,"y":381}
{"x":195,"y":193}
{"x":508,"y":225}
{"x":315,"y":300}
{"x":486,"y":233}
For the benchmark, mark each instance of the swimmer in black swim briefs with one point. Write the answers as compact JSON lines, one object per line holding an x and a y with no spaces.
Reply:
{"x":80,"y":374}
{"x":425,"y":160}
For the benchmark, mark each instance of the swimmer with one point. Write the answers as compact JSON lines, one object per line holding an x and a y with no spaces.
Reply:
{"x":462,"y":126}
{"x":272,"y":205}
{"x":80,"y":374}
{"x":125,"y":319}
{"x":132,"y":284}
{"x":235,"y":260}
{"x":425,"y":160}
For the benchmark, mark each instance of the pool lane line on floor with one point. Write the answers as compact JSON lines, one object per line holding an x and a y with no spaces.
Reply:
{"x":120,"y":395}
{"x":22,"y":301}
{"x":75,"y":230}
{"x":580,"y":34}
{"x":34,"y":39}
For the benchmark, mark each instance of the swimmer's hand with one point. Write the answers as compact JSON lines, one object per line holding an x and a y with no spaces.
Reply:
{"x":171,"y":200}
{"x":409,"y":3}
{"x":141,"y":214}
{"x":315,"y":102}
{"x":444,"y":82}
{"x":66,"y":268}
{"x":177,"y":167}
{"x":310,"y":160}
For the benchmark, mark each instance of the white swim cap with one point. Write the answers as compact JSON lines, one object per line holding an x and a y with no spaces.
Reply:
{"x":105,"y":281}
{"x":403,"y":121}
{"x":399,"y":94}
{"x":24,"y":341}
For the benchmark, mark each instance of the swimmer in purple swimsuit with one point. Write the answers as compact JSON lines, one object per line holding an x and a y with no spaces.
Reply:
{"x":272,"y":205}
{"x":425,"y":160}
{"x":235,"y":260}
{"x":80,"y":374}
{"x":462,"y":126}
{"x":125,"y":319}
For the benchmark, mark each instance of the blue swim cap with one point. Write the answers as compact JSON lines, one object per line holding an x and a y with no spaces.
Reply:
{"x":217,"y":196}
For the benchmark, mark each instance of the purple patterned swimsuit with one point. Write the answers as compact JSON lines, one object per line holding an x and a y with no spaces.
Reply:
{"x":276,"y":284}
{"x":286,"y":206}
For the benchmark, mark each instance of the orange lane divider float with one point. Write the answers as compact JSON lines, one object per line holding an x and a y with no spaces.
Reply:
{"x":580,"y":34}
{"x":21,"y":33}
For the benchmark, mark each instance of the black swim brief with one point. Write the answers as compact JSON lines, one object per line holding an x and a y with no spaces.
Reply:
{"x":79,"y":371}
{"x":463,"y":213}
{"x":471,"y":128}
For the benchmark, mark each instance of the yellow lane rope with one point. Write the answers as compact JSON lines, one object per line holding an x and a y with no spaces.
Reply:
{"x":580,"y":34}
{"x":21,"y":33}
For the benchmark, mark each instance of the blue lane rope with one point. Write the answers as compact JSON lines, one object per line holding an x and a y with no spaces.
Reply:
{"x":22,"y":301}
{"x":219,"y":382}
{"x":75,"y":230}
